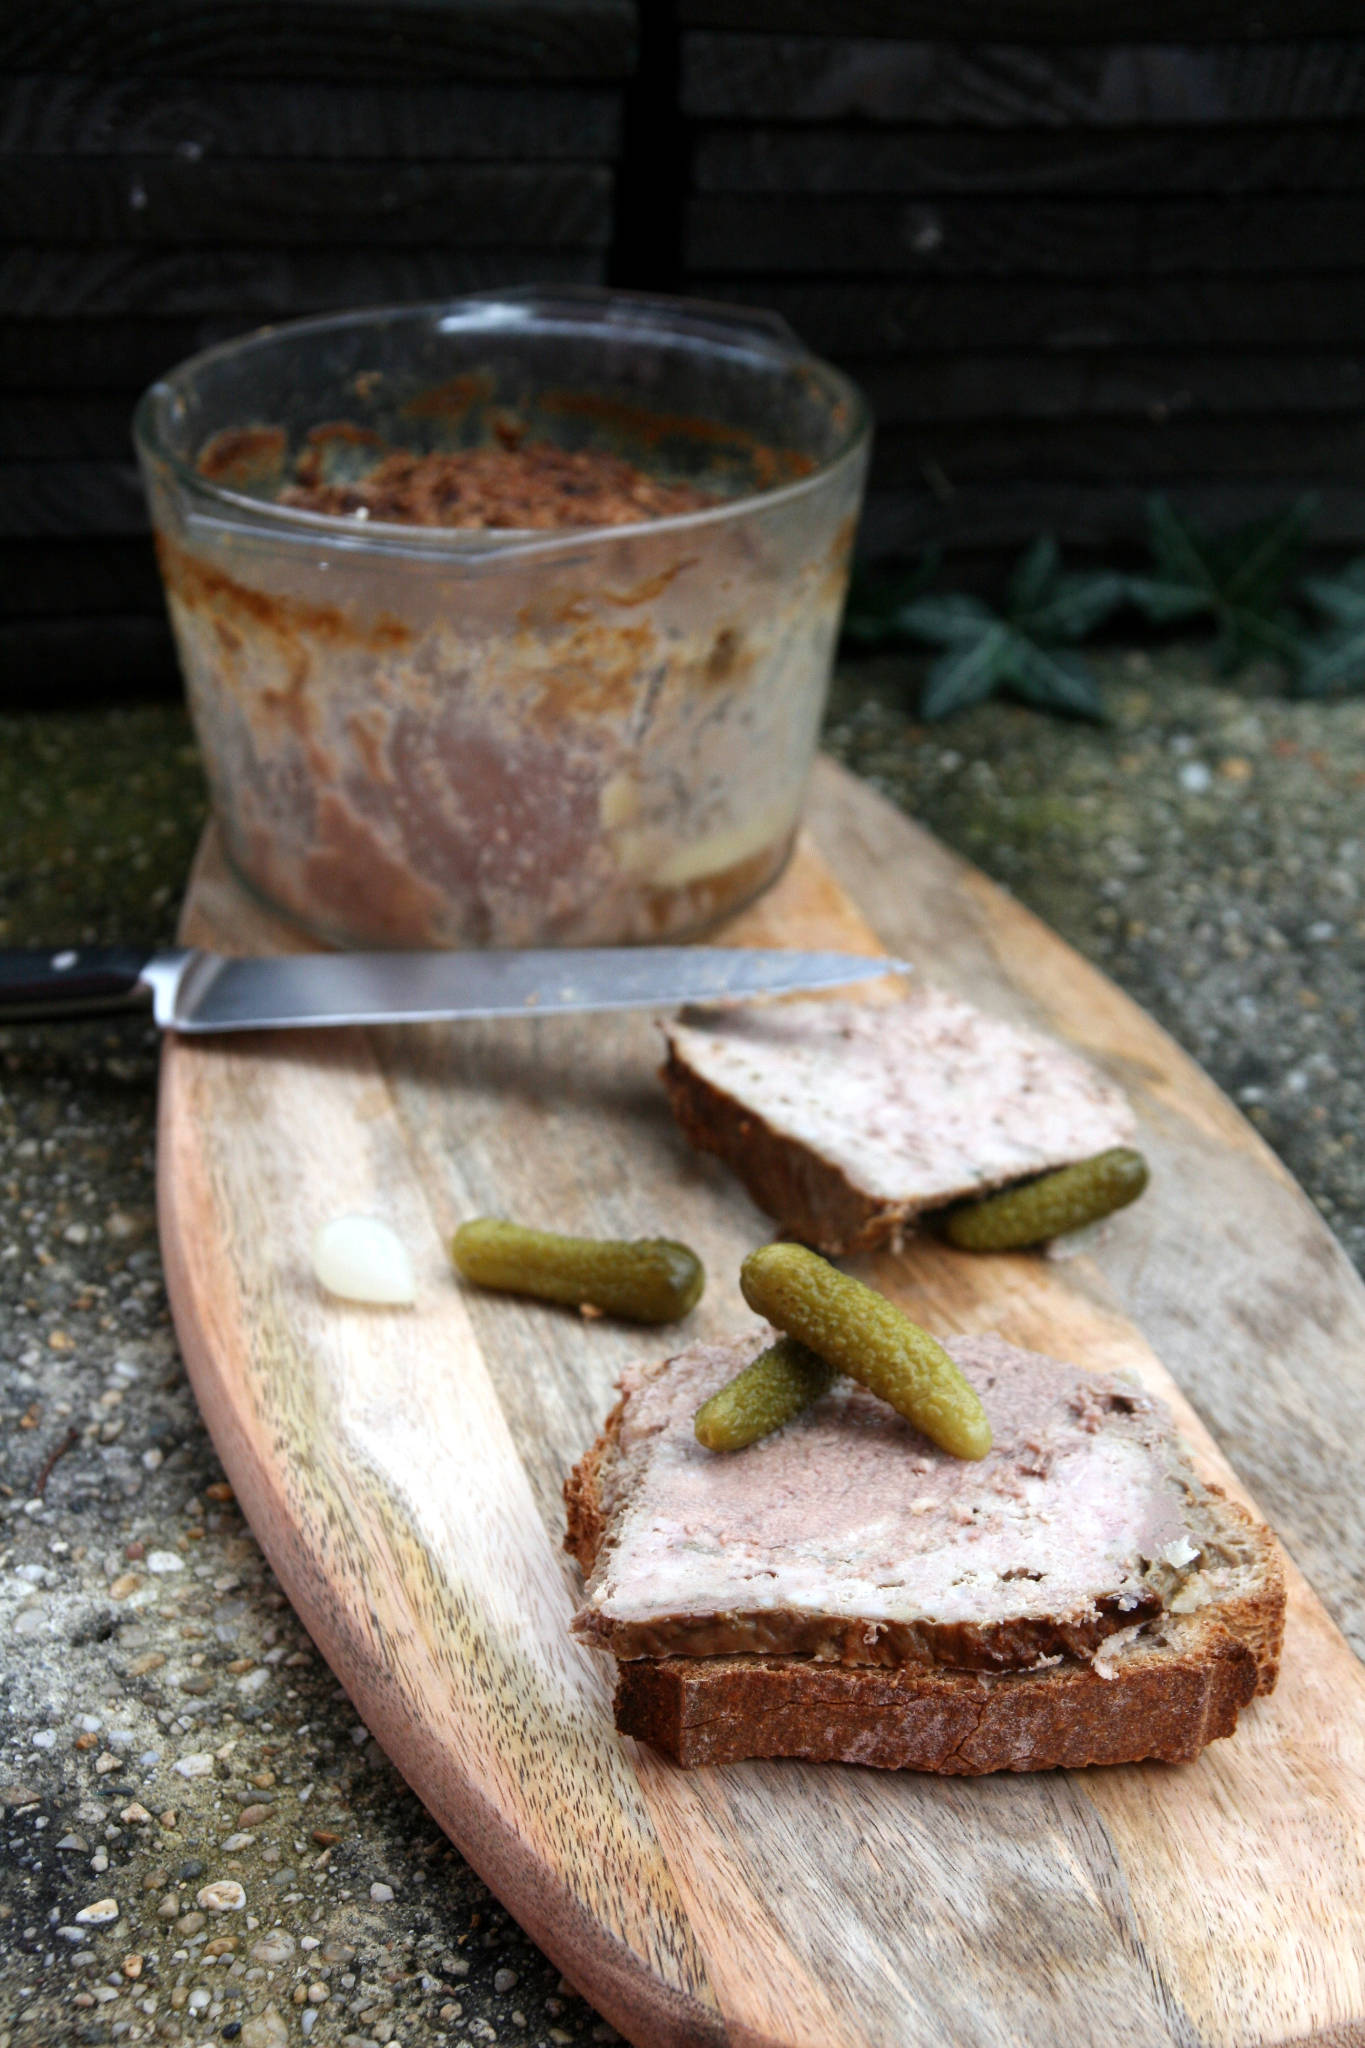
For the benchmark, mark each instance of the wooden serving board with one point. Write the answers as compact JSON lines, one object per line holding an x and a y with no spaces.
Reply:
{"x":402,"y":1469}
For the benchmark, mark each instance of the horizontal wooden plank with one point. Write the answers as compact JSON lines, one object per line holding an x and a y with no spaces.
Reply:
{"x":252,"y":285}
{"x":77,"y":578}
{"x":53,"y":114}
{"x":173,"y":202}
{"x":49,"y":664}
{"x":122,"y":356}
{"x":1042,"y":21}
{"x":42,"y":426}
{"x":1100,"y":517}
{"x":1007,"y":238}
{"x":370,"y":40}
{"x":853,"y":318}
{"x":975,"y":385}
{"x":65,"y":422}
{"x":959,"y":453}
{"x":1011,"y":85}
{"x":1328,"y":157}
{"x":51,"y":499}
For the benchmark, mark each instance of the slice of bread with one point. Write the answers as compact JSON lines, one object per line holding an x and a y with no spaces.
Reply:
{"x":848,"y":1120}
{"x":1079,"y":1653}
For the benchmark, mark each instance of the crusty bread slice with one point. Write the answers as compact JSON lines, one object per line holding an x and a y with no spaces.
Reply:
{"x":1165,"y":1698}
{"x":1162,"y":1688}
{"x":846,"y":1121}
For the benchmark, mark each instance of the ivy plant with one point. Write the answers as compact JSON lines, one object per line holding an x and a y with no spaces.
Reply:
{"x":1334,"y":661}
{"x":1239,"y":580}
{"x":1244,"y":582}
{"x":1026,"y":650}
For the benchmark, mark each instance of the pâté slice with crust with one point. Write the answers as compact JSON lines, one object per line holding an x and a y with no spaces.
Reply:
{"x":844,"y":1590}
{"x":847,"y":1121}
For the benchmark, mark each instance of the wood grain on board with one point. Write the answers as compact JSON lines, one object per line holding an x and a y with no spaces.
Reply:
{"x":403,"y":1468}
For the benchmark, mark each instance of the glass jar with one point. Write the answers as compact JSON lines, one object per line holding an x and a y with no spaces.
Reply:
{"x":437,"y":736}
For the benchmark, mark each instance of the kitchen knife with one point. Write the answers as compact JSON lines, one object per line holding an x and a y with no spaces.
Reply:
{"x":192,"y":991}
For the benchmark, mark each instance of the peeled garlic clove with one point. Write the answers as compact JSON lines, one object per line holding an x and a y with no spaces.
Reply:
{"x":361,"y":1259}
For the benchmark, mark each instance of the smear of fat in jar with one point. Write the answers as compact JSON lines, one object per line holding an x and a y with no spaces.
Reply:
{"x":619,"y":800}
{"x":726,"y":848}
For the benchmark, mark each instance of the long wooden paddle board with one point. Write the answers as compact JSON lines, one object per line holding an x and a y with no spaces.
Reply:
{"x":402,"y":1469}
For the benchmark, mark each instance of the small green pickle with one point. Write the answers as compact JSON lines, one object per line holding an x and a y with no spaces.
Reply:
{"x":1036,"y":1210}
{"x":644,"y":1280}
{"x":773,"y":1388}
{"x":867,"y":1336}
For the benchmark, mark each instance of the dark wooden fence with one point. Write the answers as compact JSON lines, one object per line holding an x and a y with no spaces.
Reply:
{"x":1073,"y":254}
{"x":173,"y":174}
{"x":1122,"y":250}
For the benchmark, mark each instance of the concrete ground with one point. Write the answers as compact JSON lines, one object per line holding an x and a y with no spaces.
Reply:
{"x":202,"y":1843}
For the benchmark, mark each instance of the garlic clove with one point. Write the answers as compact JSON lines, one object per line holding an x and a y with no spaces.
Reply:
{"x":361,"y":1259}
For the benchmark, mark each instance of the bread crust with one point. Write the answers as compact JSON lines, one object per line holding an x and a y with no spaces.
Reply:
{"x":813,"y":1199}
{"x":1166,"y":1703}
{"x":1179,"y":1686}
{"x":583,"y":1493}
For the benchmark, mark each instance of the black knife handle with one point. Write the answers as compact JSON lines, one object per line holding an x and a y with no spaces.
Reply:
{"x":72,"y":981}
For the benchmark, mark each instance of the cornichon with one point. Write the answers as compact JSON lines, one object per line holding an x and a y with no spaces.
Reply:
{"x":1055,"y":1202}
{"x":778,"y":1384}
{"x":866,"y":1336}
{"x":646,"y":1280}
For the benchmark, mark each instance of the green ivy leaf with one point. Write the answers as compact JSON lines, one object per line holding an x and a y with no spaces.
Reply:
{"x":947,"y":620}
{"x":1235,"y":579}
{"x":1259,"y":559}
{"x":987,"y":653}
{"x":967,"y":674}
{"x":1333,"y":665}
{"x":1075,"y":605}
{"x":1179,"y":548}
{"x":1034,"y":575}
{"x":1055,"y":680}
{"x":1165,"y":603}
{"x":1243,"y":634}
{"x":1341,"y":597}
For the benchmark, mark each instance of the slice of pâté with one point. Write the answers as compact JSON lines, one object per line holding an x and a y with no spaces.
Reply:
{"x":845,"y":1589}
{"x":846,"y":1121}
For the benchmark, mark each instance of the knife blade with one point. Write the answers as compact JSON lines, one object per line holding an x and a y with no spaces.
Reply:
{"x":193,"y":991}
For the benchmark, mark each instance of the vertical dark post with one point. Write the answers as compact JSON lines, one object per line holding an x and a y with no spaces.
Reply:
{"x":652,"y":171}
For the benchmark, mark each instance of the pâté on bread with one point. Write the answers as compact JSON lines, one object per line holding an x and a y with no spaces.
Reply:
{"x":847,"y":1121}
{"x":844,"y":1591}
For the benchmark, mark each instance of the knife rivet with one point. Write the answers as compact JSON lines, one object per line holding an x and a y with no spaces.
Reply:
{"x":61,"y":961}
